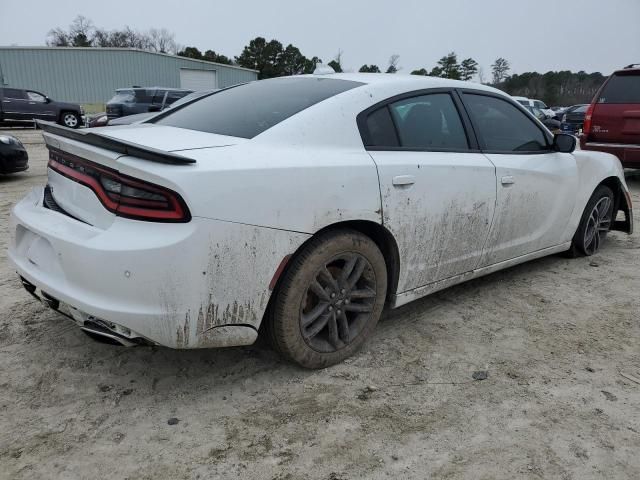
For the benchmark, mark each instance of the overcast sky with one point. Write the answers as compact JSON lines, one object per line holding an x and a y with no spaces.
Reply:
{"x":540,"y":35}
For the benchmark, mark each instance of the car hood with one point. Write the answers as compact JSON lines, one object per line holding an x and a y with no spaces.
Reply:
{"x":169,"y":139}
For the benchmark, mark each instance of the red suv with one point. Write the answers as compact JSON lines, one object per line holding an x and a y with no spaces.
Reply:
{"x":612,"y":122}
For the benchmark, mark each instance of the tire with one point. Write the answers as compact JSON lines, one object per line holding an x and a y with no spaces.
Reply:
{"x":70,"y":119}
{"x":595,"y":223}
{"x":320,"y":315}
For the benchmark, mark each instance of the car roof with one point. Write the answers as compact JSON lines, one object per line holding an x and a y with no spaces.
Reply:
{"x":171,"y":89}
{"x":410,"y":82}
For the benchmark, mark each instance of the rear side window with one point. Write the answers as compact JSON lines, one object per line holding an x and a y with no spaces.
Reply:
{"x":429,"y":122}
{"x":621,"y":88}
{"x":250,"y":109}
{"x":15,"y":94}
{"x":503,"y":127}
{"x":382,"y":132}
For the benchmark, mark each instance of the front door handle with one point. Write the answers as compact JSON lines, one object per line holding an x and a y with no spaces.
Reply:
{"x":403,"y":180}
{"x":507,"y":180}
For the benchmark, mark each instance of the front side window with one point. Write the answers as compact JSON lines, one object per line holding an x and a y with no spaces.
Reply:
{"x":503,"y":127}
{"x":36,"y":97}
{"x":159,"y":96}
{"x":123,"y":96}
{"x":539,"y":104}
{"x":250,"y":109}
{"x":144,"y":95}
{"x":174,"y":95}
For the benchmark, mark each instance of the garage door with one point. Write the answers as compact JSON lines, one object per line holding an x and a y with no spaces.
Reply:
{"x":197,"y":80}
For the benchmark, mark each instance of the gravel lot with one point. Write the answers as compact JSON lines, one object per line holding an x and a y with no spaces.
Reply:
{"x":556,"y":336}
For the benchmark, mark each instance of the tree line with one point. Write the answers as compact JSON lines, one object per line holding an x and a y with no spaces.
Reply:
{"x":272,"y":59}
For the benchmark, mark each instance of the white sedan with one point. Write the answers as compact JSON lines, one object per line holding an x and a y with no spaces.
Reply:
{"x":305,"y":204}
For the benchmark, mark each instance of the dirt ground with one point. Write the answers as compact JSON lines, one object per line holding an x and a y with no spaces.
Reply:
{"x":556,"y":336}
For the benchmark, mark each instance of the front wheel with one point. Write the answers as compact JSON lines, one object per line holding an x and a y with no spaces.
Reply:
{"x":70,"y":120}
{"x":329,"y":300}
{"x":595,"y":223}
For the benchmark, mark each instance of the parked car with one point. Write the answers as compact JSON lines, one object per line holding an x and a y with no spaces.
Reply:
{"x":129,"y":101}
{"x":612,"y":121}
{"x":539,"y":104}
{"x":13,"y":155}
{"x":141,"y":117}
{"x":17,"y":104}
{"x":573,"y":119}
{"x":551,"y":123}
{"x":303,"y":203}
{"x":97,"y":120}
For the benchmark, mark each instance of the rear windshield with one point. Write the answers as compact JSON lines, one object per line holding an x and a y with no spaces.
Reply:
{"x":621,"y":88}
{"x":250,"y":109}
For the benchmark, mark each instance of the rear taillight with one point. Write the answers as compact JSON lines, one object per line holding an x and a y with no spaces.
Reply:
{"x":123,"y":195}
{"x":586,"y":127}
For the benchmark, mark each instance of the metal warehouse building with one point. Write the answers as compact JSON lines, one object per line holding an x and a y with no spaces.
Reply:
{"x":90,"y":75}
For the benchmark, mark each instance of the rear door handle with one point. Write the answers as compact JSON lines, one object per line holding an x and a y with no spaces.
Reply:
{"x":507,"y":180}
{"x":402,"y":180}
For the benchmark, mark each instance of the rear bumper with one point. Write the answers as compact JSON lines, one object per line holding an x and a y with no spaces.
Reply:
{"x":629,"y":155}
{"x":192,"y":285}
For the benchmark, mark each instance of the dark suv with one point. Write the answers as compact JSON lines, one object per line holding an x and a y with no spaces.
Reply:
{"x":128,"y":101}
{"x":17,"y":104}
{"x":612,"y":122}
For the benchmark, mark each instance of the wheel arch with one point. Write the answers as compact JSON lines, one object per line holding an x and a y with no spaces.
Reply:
{"x":376,"y":232}
{"x":65,"y":111}
{"x":622,"y":203}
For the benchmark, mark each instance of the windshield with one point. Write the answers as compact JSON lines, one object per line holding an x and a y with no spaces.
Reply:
{"x":250,"y":109}
{"x":123,"y":96}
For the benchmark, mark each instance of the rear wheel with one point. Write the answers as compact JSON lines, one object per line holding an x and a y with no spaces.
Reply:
{"x":595,"y":223}
{"x":329,"y":300}
{"x":70,"y":119}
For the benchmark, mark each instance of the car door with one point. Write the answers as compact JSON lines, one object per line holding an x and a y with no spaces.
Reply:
{"x":39,"y":106}
{"x":14,"y":104}
{"x":536,"y":186}
{"x":437,"y":190}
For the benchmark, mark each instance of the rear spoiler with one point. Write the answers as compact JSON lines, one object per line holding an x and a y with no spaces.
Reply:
{"x":114,"y":144}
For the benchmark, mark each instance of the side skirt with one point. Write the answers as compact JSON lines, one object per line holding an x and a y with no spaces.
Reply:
{"x":406,"y":297}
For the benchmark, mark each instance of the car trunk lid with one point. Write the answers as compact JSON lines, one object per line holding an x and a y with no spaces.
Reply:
{"x":145,"y":144}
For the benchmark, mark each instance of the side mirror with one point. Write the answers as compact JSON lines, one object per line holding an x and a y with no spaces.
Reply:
{"x":154,"y":108}
{"x":47,"y":100}
{"x":564,"y":143}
